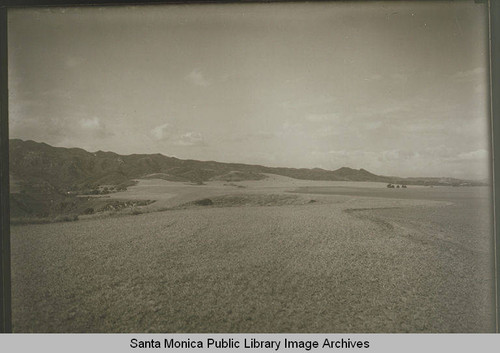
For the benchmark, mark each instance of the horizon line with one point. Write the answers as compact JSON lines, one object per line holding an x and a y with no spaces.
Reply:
{"x":487,"y":180}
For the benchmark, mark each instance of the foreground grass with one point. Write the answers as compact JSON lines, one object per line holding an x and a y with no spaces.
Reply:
{"x":290,"y":268}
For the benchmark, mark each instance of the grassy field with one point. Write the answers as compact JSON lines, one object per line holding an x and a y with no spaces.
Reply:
{"x":270,"y":255}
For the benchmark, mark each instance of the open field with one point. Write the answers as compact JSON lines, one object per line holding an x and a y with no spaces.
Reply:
{"x":272,"y":255}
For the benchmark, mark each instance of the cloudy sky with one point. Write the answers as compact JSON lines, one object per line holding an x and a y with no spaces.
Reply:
{"x":397,"y":88}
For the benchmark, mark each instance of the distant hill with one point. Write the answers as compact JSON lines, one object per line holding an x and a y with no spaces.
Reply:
{"x":46,"y":180}
{"x":44,"y":168}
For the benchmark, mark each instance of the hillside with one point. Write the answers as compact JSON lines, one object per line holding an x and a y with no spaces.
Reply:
{"x":45,"y":168}
{"x":45,"y":179}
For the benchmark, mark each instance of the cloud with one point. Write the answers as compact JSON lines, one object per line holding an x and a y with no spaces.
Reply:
{"x":398,"y":155}
{"x":197,"y":78}
{"x":90,"y":124}
{"x":375,"y":77}
{"x":432,"y":161}
{"x":259,"y":135}
{"x":480,"y":154}
{"x":94,"y":126}
{"x":161,"y":132}
{"x":469,"y":75}
{"x":346,"y":153}
{"x":381,"y":156}
{"x":172,"y":135}
{"x":438,"y":152}
{"x":191,"y":138}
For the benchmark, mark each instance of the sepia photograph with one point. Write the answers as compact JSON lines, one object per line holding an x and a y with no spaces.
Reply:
{"x":305,"y":167}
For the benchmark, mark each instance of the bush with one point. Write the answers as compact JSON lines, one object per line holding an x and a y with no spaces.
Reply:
{"x":204,"y":202}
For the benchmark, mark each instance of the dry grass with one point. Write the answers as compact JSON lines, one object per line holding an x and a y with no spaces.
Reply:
{"x":238,"y":200}
{"x":288,"y":267}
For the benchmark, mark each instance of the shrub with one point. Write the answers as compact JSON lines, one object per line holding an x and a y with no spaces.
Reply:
{"x":204,"y":202}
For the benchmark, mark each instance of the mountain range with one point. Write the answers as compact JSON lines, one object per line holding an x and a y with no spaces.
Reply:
{"x":40,"y":173}
{"x":41,"y":166}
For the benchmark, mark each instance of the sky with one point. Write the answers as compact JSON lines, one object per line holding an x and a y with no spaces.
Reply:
{"x":397,"y":88}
